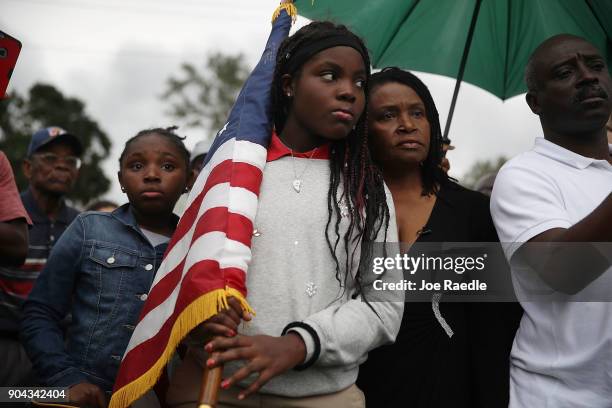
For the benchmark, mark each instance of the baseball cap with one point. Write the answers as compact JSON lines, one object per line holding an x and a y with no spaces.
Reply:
{"x":45,"y":136}
{"x":200,"y":148}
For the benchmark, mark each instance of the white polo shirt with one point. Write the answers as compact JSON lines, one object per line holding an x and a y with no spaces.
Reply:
{"x":562,"y":352}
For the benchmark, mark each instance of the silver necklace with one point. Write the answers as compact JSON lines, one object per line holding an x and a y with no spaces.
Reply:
{"x":297,"y":180}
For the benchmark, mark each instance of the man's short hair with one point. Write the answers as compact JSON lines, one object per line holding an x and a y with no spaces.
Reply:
{"x":530,"y":67}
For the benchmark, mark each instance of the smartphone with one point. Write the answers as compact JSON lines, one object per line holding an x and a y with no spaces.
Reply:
{"x":9,"y":51}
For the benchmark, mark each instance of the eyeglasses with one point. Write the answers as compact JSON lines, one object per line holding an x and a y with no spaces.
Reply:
{"x":52,"y":159}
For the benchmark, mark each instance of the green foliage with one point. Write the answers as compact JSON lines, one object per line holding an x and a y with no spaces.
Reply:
{"x":480,"y":168}
{"x":203,"y":98}
{"x":44,"y":106}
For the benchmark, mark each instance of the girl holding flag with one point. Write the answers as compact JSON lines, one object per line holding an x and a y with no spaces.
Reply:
{"x":322,"y":205}
{"x":289,"y":205}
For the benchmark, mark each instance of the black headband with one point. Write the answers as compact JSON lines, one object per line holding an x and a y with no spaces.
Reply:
{"x":304,"y":53}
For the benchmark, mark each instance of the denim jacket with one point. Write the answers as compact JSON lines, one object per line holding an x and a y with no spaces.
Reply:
{"x":100,"y":270}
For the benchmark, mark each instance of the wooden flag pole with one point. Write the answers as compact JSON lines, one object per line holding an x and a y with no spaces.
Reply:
{"x":211,"y":381}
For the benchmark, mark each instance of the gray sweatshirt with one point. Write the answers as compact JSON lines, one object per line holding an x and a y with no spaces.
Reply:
{"x":292,"y":278}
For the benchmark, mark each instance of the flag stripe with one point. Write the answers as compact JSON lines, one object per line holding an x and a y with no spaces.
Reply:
{"x":245,"y":202}
{"x":238,"y":152}
{"x":245,"y":206}
{"x":206,"y":247}
{"x":248,"y":177}
{"x":213,"y":220}
{"x":150,"y":348}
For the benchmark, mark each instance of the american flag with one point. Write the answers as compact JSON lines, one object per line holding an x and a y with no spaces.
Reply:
{"x":208,"y":255}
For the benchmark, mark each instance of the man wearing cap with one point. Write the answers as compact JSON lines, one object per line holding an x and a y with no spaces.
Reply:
{"x":51,"y":167}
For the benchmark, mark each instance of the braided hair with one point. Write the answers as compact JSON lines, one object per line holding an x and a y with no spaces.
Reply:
{"x":432,"y":175}
{"x":168,"y":133}
{"x":350,"y":162}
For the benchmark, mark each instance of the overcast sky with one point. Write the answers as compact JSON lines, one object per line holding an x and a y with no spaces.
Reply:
{"x":116,"y":55}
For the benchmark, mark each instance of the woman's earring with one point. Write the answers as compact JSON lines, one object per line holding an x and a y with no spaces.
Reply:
{"x":186,"y":189}
{"x":123,"y":189}
{"x":288,"y":94}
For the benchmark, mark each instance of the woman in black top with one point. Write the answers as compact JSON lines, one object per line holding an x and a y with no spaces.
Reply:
{"x":446,"y":354}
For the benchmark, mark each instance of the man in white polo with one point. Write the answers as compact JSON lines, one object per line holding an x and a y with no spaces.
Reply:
{"x":560,"y":192}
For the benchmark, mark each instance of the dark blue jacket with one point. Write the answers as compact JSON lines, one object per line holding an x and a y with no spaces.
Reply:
{"x":100,"y":270}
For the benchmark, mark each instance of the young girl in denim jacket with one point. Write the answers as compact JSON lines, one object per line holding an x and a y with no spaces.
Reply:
{"x":101,"y":270}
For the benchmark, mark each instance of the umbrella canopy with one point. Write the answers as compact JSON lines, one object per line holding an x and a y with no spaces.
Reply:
{"x":431,"y":36}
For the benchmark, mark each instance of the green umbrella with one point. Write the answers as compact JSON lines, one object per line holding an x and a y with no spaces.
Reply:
{"x":483,"y":42}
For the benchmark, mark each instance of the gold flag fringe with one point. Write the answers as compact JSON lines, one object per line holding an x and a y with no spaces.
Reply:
{"x":203,"y":308}
{"x":289,"y":7}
